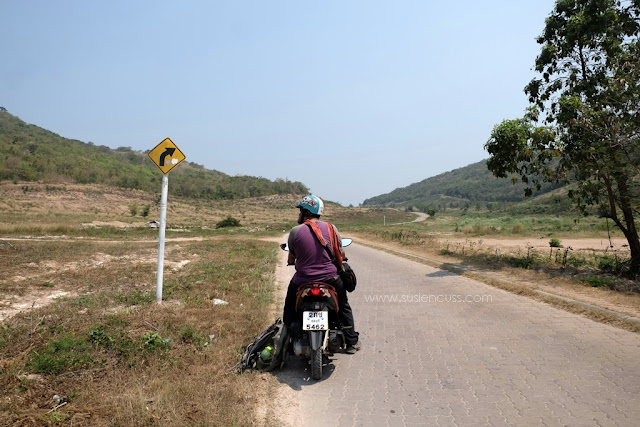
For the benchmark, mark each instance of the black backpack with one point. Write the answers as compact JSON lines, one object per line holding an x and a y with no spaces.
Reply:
{"x":275,"y":336}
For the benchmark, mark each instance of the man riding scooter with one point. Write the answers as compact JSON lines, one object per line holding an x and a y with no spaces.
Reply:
{"x":313,"y":264}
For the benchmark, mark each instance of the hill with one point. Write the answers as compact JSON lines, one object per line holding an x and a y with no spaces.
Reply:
{"x":470,"y":184}
{"x":31,"y":153}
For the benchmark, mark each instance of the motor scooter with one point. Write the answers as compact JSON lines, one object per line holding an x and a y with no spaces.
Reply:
{"x":317,"y":331}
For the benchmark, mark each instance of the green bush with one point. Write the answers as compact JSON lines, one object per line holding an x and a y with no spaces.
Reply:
{"x":607,"y":263}
{"x":99,"y":337}
{"x":613,"y":264}
{"x":520,"y":262}
{"x":152,"y":341}
{"x":555,"y":243}
{"x":116,"y":340}
{"x":228,"y":222}
{"x":598,"y":282}
{"x":577,"y":261}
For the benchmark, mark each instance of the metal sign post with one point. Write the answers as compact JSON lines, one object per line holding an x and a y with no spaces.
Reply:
{"x":166,"y":156}
{"x":163,"y":224}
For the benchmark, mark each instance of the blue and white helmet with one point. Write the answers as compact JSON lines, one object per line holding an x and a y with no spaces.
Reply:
{"x":313,"y":204}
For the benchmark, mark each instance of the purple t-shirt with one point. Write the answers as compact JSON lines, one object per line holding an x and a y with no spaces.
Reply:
{"x":312,"y":261}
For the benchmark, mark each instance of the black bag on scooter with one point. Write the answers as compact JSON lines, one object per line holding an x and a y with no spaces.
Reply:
{"x":348,"y":277}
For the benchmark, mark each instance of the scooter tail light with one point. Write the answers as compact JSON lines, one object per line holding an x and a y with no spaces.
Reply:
{"x":316,"y":292}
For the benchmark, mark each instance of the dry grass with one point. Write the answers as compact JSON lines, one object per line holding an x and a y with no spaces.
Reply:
{"x":116,"y":356}
{"x":38,"y":209}
{"x":75,"y":209}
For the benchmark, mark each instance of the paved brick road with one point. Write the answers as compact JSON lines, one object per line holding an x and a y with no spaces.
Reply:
{"x":431,"y":359}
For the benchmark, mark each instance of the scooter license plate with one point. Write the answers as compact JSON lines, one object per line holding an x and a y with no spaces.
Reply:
{"x":315,"y":320}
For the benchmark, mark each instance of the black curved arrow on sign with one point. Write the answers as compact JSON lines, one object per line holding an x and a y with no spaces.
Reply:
{"x":167,"y":152}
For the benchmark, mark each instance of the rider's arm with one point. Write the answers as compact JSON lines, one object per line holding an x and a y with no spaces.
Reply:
{"x":291,"y":259}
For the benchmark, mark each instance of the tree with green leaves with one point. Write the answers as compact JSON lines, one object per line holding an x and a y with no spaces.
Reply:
{"x":583,"y":126}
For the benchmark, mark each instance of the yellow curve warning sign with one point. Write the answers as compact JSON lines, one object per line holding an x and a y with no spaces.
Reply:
{"x":166,"y":155}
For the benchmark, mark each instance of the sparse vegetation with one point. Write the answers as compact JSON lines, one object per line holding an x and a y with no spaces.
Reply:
{"x":469,"y":227}
{"x":107,"y":342}
{"x":60,"y":355}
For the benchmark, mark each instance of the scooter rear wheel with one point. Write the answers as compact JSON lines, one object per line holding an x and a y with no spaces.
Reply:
{"x":316,"y":364}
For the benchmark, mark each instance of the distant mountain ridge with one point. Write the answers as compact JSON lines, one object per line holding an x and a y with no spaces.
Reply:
{"x":31,"y":153}
{"x":470,"y":184}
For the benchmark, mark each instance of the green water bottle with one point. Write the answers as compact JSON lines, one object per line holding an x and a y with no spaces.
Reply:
{"x":265,"y":355}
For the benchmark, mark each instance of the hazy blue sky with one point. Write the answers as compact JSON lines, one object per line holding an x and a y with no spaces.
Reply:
{"x":354,"y":97}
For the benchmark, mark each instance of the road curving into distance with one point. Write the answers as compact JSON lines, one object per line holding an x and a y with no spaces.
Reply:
{"x":439,"y":348}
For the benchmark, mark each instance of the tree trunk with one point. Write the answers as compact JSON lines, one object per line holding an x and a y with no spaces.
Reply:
{"x":635,"y":258}
{"x":630,"y":231}
{"x":634,"y":242}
